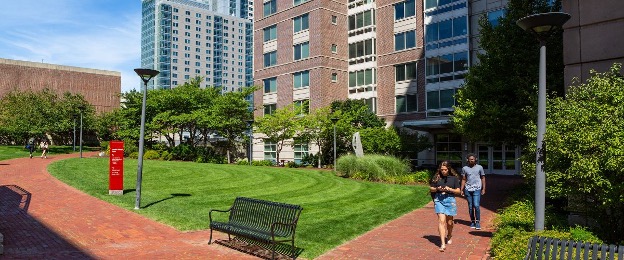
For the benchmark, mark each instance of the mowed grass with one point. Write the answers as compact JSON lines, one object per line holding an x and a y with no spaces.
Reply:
{"x":11,"y":152}
{"x":180,"y":194}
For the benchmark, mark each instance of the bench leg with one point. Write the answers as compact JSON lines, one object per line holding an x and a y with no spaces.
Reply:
{"x":210,"y":241}
{"x":273,"y":250}
{"x":294,"y":254}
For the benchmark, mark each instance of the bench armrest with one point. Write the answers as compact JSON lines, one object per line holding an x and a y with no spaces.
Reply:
{"x":293,"y":225}
{"x":217,"y":210}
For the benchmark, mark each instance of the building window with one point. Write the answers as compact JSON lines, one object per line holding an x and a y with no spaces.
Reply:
{"x":439,"y":31}
{"x":270,"y":33}
{"x":334,"y":77}
{"x":269,"y":109}
{"x":406,"y":103}
{"x":301,"y":79}
{"x":334,"y":48}
{"x":441,"y":99}
{"x":302,"y":107}
{"x":301,"y":50}
{"x":270,"y":85}
{"x":405,"y":40}
{"x":270,"y":151}
{"x":449,"y":148}
{"x":298,"y":2}
{"x":405,"y":72}
{"x":455,"y":63}
{"x":270,"y":7}
{"x":494,"y":16}
{"x":300,"y":23}
{"x":404,"y":9}
{"x":362,"y":48}
{"x":334,"y":19}
{"x":301,"y":151}
{"x":362,"y":19}
{"x":361,"y":77}
{"x":270,"y":59}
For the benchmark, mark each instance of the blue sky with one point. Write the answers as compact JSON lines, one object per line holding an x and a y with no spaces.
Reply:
{"x":96,"y":34}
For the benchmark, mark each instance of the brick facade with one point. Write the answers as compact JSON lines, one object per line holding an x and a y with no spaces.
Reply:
{"x":100,"y":88}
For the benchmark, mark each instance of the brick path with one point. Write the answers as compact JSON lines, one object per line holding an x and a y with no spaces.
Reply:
{"x":42,"y":218}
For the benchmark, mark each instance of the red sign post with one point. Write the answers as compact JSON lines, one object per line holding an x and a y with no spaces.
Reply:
{"x":115,"y":163}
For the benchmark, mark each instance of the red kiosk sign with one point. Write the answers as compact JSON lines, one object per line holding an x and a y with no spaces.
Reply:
{"x":115,"y":173}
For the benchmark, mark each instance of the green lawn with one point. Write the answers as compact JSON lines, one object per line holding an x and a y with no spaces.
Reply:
{"x":180,"y":194}
{"x":11,"y":152}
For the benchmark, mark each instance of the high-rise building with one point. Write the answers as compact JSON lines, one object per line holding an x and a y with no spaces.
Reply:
{"x":187,"y":38}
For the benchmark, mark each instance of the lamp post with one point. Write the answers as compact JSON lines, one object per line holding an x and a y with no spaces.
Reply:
{"x":250,"y":126}
{"x":334,"y":120}
{"x":542,"y":26}
{"x":81,"y":133}
{"x":74,"y":140}
{"x":146,"y":75}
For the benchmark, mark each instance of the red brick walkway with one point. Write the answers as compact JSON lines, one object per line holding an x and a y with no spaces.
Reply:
{"x":43,"y":218}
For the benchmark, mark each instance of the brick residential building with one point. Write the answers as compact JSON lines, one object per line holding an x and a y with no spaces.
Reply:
{"x":100,"y":88}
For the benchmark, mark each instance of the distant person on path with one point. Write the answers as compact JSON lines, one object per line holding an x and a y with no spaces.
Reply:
{"x":444,"y":186}
{"x":31,"y":146}
{"x":473,"y":186}
{"x":44,"y":147}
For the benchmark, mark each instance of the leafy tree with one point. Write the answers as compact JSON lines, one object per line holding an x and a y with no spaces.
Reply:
{"x":316,"y":125}
{"x":585,"y":150}
{"x":280,"y":126}
{"x":380,"y":140}
{"x":499,"y":95}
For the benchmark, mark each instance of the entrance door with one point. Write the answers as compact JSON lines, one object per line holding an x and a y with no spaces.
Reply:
{"x":504,"y":160}
{"x":483,"y":154}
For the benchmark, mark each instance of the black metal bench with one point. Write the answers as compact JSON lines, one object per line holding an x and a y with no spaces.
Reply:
{"x":552,"y":248}
{"x":260,"y":220}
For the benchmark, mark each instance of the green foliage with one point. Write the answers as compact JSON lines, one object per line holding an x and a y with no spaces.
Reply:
{"x":585,"y":150}
{"x":208,"y":155}
{"x":499,"y":96}
{"x":263,"y":163}
{"x":372,"y":167}
{"x":279,"y":126}
{"x":183,"y":152}
{"x":130,"y":147}
{"x":380,"y":140}
{"x":133,"y":155}
{"x":151,"y":155}
{"x":166,"y":156}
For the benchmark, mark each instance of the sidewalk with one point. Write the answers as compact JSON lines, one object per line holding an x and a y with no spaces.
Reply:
{"x":43,"y":218}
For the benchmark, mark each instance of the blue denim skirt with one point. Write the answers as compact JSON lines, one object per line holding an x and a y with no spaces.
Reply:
{"x":445,"y":204}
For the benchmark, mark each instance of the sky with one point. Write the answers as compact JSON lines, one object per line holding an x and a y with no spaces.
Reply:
{"x":94,"y":34}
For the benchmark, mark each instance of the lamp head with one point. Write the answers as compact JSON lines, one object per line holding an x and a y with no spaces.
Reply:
{"x":249,"y":121}
{"x":146,"y":74}
{"x":334,"y":119}
{"x":542,"y":25}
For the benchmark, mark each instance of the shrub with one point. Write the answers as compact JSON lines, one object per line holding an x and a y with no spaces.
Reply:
{"x":104,"y":146}
{"x":134,"y":155}
{"x":165,"y":155}
{"x":373,"y":168}
{"x":183,"y":152}
{"x":129,"y":148}
{"x":242,"y":162}
{"x":151,"y":155}
{"x":208,"y":155}
{"x":263,"y":163}
{"x":291,"y":165}
{"x":423,"y":176}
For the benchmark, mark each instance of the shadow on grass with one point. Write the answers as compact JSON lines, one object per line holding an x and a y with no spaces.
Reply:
{"x":128,"y":191}
{"x":173,"y":195}
{"x":261,"y":249}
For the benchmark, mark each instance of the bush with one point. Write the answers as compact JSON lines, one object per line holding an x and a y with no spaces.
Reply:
{"x":151,"y":155}
{"x":129,"y":148}
{"x":165,"y":155}
{"x":104,"y":146}
{"x":183,"y":152}
{"x":291,"y":165}
{"x":263,"y":163}
{"x":134,"y":155}
{"x":373,"y":168}
{"x":208,"y":155}
{"x":242,"y":162}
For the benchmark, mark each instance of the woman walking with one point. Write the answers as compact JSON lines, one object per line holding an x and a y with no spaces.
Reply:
{"x":444,"y":186}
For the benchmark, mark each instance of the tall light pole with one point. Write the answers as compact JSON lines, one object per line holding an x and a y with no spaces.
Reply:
{"x":74,"y":140}
{"x":80,"y":133}
{"x":146,"y":75}
{"x":334,"y":120}
{"x":250,"y":126}
{"x":542,"y":26}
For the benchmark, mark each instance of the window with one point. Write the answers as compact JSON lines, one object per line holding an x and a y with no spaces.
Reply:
{"x":448,"y":147}
{"x":334,"y":20}
{"x":270,"y":7}
{"x":361,"y":77}
{"x":494,"y":16}
{"x":270,"y":33}
{"x":270,"y":59}
{"x":298,"y":2}
{"x":405,"y":40}
{"x":362,"y":48}
{"x":446,"y":29}
{"x":302,"y":51}
{"x":443,"y":99}
{"x":270,"y":85}
{"x":300,"y":23}
{"x":453,"y":62}
{"x":269,"y":109}
{"x":405,"y":72}
{"x":334,"y":48}
{"x":362,"y":19}
{"x":406,"y":103}
{"x":270,"y":151}
{"x":301,"y":79}
{"x":404,"y":9}
{"x":301,"y":151}
{"x":302,"y":107}
{"x":334,"y":77}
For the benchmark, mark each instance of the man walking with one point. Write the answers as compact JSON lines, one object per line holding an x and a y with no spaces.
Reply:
{"x":473,"y":186}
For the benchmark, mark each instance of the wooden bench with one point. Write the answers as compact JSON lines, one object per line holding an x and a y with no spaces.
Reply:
{"x":261,"y":220}
{"x":553,"y":248}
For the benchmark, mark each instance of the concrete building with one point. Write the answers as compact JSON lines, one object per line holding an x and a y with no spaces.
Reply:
{"x":187,"y":38}
{"x":100,"y":88}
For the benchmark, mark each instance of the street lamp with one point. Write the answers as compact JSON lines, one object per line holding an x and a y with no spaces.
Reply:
{"x":334,"y":120}
{"x":542,"y":26}
{"x":250,"y":126}
{"x":74,"y":140}
{"x":146,"y":75}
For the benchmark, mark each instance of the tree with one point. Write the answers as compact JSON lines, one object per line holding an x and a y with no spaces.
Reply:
{"x":499,"y":96}
{"x":380,"y":140}
{"x":280,"y":126}
{"x":585,"y":150}
{"x":316,"y":125}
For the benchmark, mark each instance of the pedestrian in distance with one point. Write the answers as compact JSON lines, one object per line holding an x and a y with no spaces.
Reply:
{"x":30,"y":145}
{"x":444,"y":186}
{"x":473,"y":187}
{"x":44,"y":148}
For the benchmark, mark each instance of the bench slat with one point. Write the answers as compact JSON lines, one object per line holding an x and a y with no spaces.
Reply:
{"x":554,"y":248}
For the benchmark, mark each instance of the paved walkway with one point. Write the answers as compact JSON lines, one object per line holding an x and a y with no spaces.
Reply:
{"x":43,"y":218}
